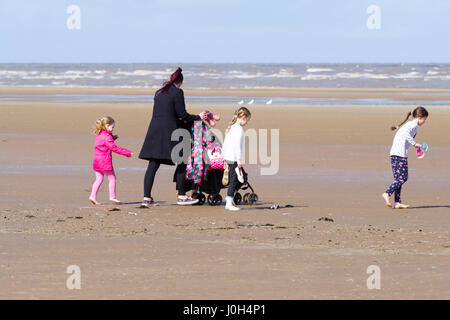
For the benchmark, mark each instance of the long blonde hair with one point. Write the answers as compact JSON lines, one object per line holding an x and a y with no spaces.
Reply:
{"x":416,"y":113}
{"x":101,"y":123}
{"x":239,"y":113}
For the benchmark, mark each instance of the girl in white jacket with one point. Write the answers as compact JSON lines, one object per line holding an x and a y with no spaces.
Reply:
{"x":232,"y":150}
{"x":404,"y":138}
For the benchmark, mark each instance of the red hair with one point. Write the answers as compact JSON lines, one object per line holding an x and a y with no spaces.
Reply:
{"x":176,"y":77}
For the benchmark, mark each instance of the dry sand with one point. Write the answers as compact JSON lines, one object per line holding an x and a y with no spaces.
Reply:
{"x":334,"y":164}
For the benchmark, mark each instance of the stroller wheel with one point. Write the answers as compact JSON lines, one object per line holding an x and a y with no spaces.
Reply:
{"x":246,"y":198}
{"x":201,"y":198}
{"x":217,"y":199}
{"x":210,"y":200}
{"x":252,"y":198}
{"x":214,"y":199}
{"x":237,"y":198}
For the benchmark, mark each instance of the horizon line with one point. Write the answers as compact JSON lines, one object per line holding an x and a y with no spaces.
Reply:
{"x":349,"y":62}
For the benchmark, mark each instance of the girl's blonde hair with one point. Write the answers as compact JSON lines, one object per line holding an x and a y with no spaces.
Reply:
{"x":101,"y":123}
{"x":239,"y":113}
{"x":416,"y":113}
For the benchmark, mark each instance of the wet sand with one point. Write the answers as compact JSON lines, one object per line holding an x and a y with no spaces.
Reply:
{"x":368,"y":93}
{"x":334,"y":164}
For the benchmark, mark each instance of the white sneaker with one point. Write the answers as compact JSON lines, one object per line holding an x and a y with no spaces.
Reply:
{"x":230,"y":204}
{"x":231,"y":208}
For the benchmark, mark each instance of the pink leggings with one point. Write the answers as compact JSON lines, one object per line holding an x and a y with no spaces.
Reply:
{"x":98,"y":182}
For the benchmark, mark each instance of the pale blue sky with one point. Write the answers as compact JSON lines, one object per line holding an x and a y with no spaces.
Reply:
{"x":224,"y":31}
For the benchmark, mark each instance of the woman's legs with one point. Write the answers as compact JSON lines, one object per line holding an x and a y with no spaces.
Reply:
{"x":153,"y":166}
{"x":112,"y":183}
{"x":180,"y":173}
{"x":97,"y":183}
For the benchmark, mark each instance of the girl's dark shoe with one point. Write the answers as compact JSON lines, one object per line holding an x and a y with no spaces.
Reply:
{"x":147,"y":203}
{"x":188,"y":201}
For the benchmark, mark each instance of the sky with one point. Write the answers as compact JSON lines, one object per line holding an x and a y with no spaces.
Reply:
{"x":229,"y":31}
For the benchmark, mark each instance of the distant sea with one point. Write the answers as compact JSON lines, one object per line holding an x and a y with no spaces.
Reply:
{"x":230,"y":75}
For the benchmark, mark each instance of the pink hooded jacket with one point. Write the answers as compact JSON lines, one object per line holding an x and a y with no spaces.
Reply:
{"x":104,"y":144}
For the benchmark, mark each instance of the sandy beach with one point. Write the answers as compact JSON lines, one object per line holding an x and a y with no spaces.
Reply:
{"x":334,"y":164}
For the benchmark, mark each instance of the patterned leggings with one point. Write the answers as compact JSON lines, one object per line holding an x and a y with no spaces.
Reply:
{"x":400,"y":171}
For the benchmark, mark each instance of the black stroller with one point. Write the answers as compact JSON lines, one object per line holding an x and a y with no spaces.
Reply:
{"x":213,"y":185}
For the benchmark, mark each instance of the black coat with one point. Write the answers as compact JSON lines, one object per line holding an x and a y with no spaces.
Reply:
{"x":169,"y":113}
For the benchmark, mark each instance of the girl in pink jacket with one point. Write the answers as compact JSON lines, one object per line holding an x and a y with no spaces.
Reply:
{"x":104,"y":145}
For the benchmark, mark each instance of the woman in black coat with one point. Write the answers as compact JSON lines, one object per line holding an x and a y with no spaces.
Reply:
{"x":169,"y":114}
